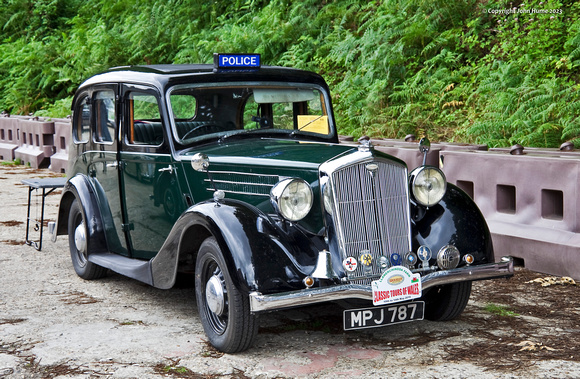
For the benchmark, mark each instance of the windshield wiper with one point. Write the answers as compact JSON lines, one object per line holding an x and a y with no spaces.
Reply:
{"x":238,"y":133}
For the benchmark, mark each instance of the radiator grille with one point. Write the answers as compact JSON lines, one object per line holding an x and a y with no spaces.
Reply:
{"x":372,"y":213}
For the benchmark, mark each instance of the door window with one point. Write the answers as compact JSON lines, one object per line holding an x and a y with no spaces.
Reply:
{"x":145,"y":126}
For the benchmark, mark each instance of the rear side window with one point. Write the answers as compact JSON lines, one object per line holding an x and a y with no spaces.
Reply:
{"x":82,"y":121}
{"x":105,"y":116}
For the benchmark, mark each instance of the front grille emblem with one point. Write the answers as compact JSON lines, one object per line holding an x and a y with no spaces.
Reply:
{"x":372,"y":168}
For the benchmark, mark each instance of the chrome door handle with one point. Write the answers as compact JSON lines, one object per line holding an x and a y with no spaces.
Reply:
{"x":167,"y":169}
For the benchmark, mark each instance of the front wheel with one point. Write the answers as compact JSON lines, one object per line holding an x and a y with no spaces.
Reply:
{"x":446,"y":302}
{"x":78,"y":245}
{"x":224,"y":311}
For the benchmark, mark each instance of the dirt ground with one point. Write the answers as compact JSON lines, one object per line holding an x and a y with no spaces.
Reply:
{"x":56,"y":325}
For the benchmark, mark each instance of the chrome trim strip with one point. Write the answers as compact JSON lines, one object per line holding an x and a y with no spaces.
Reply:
{"x":277,"y":177}
{"x":241,"y":183}
{"x":260,"y":302}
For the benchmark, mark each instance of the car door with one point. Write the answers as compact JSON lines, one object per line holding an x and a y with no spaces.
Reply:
{"x":103,"y":169}
{"x":149,"y":183}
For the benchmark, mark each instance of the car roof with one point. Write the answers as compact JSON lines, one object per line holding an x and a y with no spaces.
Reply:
{"x":163,"y":75}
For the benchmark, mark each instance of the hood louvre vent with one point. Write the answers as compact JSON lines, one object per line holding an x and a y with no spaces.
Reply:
{"x":242,"y":183}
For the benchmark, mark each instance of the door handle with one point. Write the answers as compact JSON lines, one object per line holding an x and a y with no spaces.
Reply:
{"x":113,"y":165}
{"x":167,"y":169}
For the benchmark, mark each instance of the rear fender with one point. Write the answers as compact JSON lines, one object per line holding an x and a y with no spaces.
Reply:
{"x":79,"y":187}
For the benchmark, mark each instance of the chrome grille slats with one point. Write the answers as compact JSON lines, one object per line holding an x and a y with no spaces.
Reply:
{"x":242,"y":183}
{"x":371,"y":211}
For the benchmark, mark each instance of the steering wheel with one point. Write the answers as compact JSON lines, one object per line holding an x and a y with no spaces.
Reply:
{"x":197,"y":128}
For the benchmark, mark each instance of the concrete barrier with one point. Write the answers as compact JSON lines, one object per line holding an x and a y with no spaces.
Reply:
{"x":62,"y":138}
{"x":8,"y":137}
{"x":530,"y":202}
{"x":35,"y":142}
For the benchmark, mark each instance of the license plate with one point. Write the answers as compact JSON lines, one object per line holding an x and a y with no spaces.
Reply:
{"x":382,"y":316}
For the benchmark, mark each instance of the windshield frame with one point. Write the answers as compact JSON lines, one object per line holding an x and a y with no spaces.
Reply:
{"x":258,"y":133}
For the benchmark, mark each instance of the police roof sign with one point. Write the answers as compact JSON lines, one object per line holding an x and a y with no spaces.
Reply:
{"x":229,"y":61}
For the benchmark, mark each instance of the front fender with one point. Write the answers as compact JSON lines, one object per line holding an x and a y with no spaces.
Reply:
{"x":78,"y":187}
{"x":456,"y":220}
{"x":260,"y":256}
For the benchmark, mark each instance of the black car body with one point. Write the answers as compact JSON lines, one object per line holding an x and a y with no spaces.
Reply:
{"x":236,"y":174}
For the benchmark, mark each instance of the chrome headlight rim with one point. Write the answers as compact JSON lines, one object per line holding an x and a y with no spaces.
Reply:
{"x":428,"y":185}
{"x":292,"y":198}
{"x":327,"y":198}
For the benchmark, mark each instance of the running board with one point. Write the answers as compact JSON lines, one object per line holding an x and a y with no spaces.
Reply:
{"x":133,"y":268}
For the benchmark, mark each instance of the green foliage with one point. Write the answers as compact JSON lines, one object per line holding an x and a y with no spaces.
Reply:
{"x":500,"y":310}
{"x":59,"y":109}
{"x":497,"y":72}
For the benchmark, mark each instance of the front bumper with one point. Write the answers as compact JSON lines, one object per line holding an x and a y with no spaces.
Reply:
{"x":260,"y":302}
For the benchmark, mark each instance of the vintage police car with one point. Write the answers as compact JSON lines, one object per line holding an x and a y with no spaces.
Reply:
{"x":233,"y":171}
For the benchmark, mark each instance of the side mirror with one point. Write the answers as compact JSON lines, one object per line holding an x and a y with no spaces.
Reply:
{"x":424,"y":147}
{"x":200,"y":162}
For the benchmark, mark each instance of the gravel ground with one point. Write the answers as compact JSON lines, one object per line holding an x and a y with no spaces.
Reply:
{"x":56,"y":325}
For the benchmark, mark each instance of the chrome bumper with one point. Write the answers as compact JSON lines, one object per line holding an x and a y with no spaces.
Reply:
{"x":259,"y":302}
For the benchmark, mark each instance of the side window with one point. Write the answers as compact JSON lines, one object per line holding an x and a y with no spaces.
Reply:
{"x":145,"y":127}
{"x":82,"y":121}
{"x":104,"y":116}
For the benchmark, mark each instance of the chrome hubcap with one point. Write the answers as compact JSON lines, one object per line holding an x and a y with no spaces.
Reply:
{"x":81,"y":238}
{"x":214,"y":295}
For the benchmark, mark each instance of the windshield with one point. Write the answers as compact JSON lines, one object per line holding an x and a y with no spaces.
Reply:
{"x":210,"y":111}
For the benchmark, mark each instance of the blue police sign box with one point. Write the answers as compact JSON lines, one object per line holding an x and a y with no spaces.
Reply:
{"x":236,"y":61}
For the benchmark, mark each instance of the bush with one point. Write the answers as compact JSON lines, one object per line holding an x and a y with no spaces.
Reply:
{"x":457,"y":70}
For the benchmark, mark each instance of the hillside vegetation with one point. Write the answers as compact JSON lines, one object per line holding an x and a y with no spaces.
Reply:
{"x":494,"y":72}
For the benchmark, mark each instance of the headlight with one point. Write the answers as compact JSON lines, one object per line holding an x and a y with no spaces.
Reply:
{"x":292,"y":198}
{"x":428,"y":185}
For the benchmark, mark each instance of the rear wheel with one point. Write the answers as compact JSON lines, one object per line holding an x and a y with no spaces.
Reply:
{"x":447,"y":302}
{"x":77,"y":241}
{"x":224,"y":311}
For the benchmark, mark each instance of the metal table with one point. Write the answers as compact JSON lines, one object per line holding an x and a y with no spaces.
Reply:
{"x":49,"y":184}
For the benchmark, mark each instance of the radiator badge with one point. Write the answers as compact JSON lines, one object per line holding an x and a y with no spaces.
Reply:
{"x":349,"y":264}
{"x":396,"y":284}
{"x":365,"y":258}
{"x":372,"y":168}
{"x":396,"y":259}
